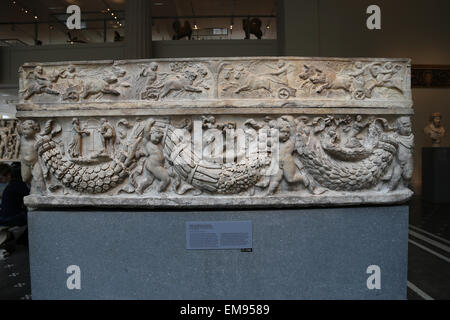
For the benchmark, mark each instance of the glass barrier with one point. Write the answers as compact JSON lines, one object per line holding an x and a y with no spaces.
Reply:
{"x":112,"y":29}
{"x":214,"y":28}
{"x":95,"y":28}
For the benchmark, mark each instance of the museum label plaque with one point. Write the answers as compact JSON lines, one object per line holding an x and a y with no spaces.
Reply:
{"x":219,"y":235}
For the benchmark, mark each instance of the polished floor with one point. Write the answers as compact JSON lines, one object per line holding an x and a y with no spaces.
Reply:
{"x":429,"y":251}
{"x":428,"y":258}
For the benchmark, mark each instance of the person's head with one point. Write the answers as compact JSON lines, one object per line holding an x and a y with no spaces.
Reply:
{"x":358,"y":65}
{"x":156,"y":135}
{"x":38,"y":69}
{"x":153,"y":66}
{"x":284,"y":131}
{"x":404,"y":126}
{"x":436,"y":119}
{"x":280,"y":64}
{"x":28,"y":128}
{"x":388,"y":65}
{"x":5,"y":173}
{"x":16,"y":174}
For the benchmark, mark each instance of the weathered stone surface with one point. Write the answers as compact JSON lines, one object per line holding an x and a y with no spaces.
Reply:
{"x":9,"y":140}
{"x":228,"y":132}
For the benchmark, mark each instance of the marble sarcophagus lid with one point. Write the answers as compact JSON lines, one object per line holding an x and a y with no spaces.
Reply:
{"x":216,"y":132}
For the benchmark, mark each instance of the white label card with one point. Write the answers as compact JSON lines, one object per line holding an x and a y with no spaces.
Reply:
{"x":219,"y":235}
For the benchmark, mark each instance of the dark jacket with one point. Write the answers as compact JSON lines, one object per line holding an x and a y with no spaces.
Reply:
{"x":13,"y":211}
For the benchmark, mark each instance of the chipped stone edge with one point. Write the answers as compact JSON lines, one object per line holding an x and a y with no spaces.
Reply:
{"x":195,"y":202}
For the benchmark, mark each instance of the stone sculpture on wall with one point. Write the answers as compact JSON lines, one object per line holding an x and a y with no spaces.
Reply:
{"x":9,"y":140}
{"x":234,"y":132}
{"x":77,"y":134}
{"x":435,"y":130}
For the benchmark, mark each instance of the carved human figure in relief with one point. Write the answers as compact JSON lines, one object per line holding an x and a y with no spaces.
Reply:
{"x":281,"y":73}
{"x":123,"y":125}
{"x":4,"y":133}
{"x":154,"y":163}
{"x":435,"y":130}
{"x":77,"y":133}
{"x":108,"y":137}
{"x":379,"y":76}
{"x":403,"y":162}
{"x":39,"y":83}
{"x":10,"y":140}
{"x":287,"y":167}
{"x":353,"y":130}
{"x":30,"y":168}
{"x":16,"y":140}
{"x":151,"y":73}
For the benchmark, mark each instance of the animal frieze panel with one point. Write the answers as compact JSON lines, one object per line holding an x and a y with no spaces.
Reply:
{"x":176,"y":80}
{"x":78,"y":83}
{"x":285,"y":79}
{"x":218,"y":156}
{"x":271,"y":78}
{"x":72,"y":83}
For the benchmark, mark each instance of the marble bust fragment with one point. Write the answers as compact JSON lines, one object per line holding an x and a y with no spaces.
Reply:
{"x":435,"y":130}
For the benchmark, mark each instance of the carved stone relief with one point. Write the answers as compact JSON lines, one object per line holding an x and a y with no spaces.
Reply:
{"x":203,"y":79}
{"x":219,"y":152}
{"x":9,"y":140}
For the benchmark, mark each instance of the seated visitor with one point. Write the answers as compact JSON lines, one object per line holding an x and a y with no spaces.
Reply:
{"x":13,"y":211}
{"x":5,"y":172}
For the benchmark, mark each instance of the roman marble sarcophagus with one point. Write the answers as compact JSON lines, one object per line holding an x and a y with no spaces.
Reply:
{"x":216,"y":132}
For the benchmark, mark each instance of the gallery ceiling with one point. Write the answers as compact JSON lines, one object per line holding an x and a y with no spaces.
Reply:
{"x":26,"y":10}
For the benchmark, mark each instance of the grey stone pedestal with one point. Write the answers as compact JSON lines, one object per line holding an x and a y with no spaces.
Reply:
{"x":436,"y":174}
{"x":297,"y":254}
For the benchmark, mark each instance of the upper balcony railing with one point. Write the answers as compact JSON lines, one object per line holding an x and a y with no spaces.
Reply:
{"x":96,"y":28}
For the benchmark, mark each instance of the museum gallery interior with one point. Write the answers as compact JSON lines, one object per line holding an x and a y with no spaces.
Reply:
{"x":224,"y":150}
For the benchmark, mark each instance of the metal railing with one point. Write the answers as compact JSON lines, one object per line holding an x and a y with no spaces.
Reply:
{"x":95,"y":29}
